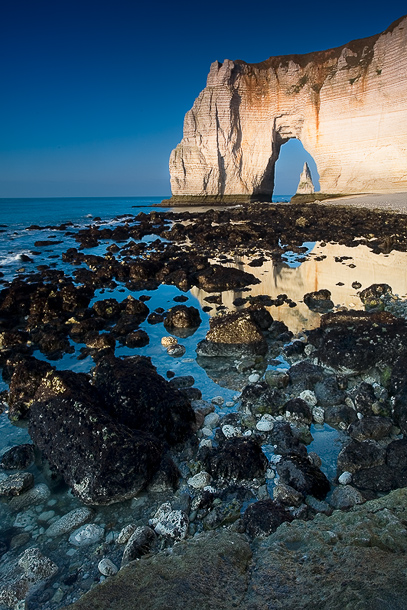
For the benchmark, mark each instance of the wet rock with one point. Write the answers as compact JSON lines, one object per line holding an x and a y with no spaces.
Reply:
{"x":39,"y":494}
{"x":200,"y":480}
{"x":346,"y":496}
{"x":170,"y":523}
{"x":261,"y":398}
{"x":299,"y":473}
{"x":16,"y":484}
{"x":284,"y":440}
{"x":357,"y":341}
{"x":185,"y":381}
{"x":87,"y":535}
{"x":319,"y":301}
{"x":176,"y":351}
{"x":264,"y":517}
{"x":265,"y":423}
{"x":107,"y":308}
{"x":336,"y":414}
{"x":362,"y":398}
{"x":287,"y":495}
{"x":18,"y":457}
{"x":298,"y":411}
{"x":139,"y":398}
{"x":218,"y":278}
{"x":345,"y":478}
{"x":358,"y":455}
{"x":371,"y":296}
{"x":27,"y":375}
{"x":138,"y":338}
{"x":275,"y":379}
{"x":233,"y":335}
{"x":328,"y":393}
{"x":304,"y":376}
{"x":377,"y":478}
{"x":396,"y":460}
{"x":126,"y":533}
{"x":68,"y":522}
{"x":182,"y":317}
{"x":102,"y":460}
{"x":235,"y":460}
{"x":107,"y":568}
{"x":372,"y":427}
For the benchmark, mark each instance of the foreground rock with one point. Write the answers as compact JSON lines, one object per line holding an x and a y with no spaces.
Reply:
{"x":354,"y":559}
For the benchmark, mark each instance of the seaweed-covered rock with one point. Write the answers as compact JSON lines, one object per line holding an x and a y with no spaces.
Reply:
{"x":237,"y":459}
{"x":374,"y":428}
{"x":139,"y":543}
{"x":371,"y":296}
{"x":18,"y":457}
{"x":217,"y":278}
{"x":302,"y":475}
{"x":304,"y":375}
{"x":233,"y":335}
{"x":362,"y":398}
{"x":284,"y":440}
{"x":137,"y":396}
{"x":377,"y":478}
{"x":261,"y":398}
{"x":27,"y":375}
{"x":298,"y":411}
{"x":263,"y":517}
{"x":396,"y":460}
{"x":358,"y":455}
{"x":102,"y":460}
{"x":319,"y":301}
{"x":182,"y":316}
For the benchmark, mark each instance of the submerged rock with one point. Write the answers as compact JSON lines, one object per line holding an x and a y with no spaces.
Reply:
{"x":18,"y":457}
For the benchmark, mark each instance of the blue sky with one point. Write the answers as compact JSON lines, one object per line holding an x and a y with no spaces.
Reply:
{"x":94,"y":93}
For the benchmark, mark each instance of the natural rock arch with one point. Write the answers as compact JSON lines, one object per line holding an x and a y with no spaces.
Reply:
{"x":348,"y":106}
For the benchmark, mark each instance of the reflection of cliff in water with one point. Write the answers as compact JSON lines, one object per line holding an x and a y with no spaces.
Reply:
{"x":313,"y":274}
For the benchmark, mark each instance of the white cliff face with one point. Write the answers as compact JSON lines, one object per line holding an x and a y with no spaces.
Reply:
{"x":348,"y":106}
{"x":305,"y":185}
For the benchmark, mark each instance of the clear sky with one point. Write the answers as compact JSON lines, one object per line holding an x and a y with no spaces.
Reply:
{"x":94,"y":92}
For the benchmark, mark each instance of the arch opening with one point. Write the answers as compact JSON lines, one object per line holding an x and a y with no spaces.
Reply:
{"x":288,"y":167}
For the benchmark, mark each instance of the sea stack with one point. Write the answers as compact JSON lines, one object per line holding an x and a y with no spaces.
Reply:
{"x":347,"y":105}
{"x":305,"y":185}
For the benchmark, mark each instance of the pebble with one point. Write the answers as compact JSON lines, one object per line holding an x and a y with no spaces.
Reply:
{"x":37,"y":495}
{"x":86,"y":535}
{"x":126,"y":533}
{"x":345,"y":478}
{"x":211,"y":420}
{"x":254,"y":378}
{"x":218,"y":400}
{"x":318,"y":415}
{"x":176,"y":351}
{"x":107,"y":567}
{"x":309,"y":397}
{"x":46,"y":515}
{"x":169,"y":341}
{"x":207,"y":431}
{"x":229,"y":404}
{"x":200,"y":480}
{"x":16,"y":484}
{"x":36,"y":566}
{"x":265,"y":424}
{"x":206,"y":442}
{"x":69,"y":522}
{"x":230,"y":431}
{"x":170,"y":523}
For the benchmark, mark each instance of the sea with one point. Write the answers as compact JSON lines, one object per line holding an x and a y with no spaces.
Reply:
{"x":25,"y":222}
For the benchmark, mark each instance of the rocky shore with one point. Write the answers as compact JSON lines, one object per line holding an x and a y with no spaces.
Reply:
{"x":223,"y":495}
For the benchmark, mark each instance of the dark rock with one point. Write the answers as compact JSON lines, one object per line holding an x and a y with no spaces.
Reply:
{"x":232,"y":335}
{"x":237,"y":459}
{"x":263,"y":518}
{"x":287,"y":495}
{"x":359,"y":455}
{"x":340,"y":413}
{"x":16,"y":484}
{"x":377,"y":478}
{"x":18,"y":457}
{"x":363,"y":397}
{"x":27,"y":375}
{"x":319,"y":301}
{"x":328,"y":392}
{"x":186,"y":381}
{"x":107,"y":308}
{"x":103,"y":461}
{"x":138,"y":338}
{"x":155,"y":318}
{"x":296,"y":348}
{"x":396,"y":460}
{"x":284,"y":440}
{"x":370,"y":296}
{"x":298,"y":410}
{"x":182,"y":317}
{"x":345,"y":496}
{"x":217,"y":278}
{"x":304,"y":375}
{"x":261,"y":398}
{"x":299,"y":473}
{"x":143,"y":400}
{"x":139,"y":544}
{"x":135,"y":307}
{"x":372,"y":427}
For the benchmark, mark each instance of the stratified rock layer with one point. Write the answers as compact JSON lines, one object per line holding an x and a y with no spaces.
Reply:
{"x":347,"y":105}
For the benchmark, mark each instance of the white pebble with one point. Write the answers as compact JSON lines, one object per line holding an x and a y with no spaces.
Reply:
{"x":230,"y":431}
{"x":345,"y":478}
{"x":107,"y":567}
{"x":318,"y":415}
{"x":211,"y":420}
{"x":206,"y":442}
{"x":309,"y":397}
{"x":200,"y":480}
{"x":207,"y":431}
{"x":218,"y":400}
{"x":254,"y":378}
{"x":264,"y":425}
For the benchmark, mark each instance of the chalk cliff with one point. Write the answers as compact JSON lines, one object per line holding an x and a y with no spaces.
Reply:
{"x":347,"y":105}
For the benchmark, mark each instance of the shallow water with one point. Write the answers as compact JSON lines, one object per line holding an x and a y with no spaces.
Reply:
{"x":330,"y":266}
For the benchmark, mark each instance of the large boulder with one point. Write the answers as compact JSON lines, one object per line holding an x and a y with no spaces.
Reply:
{"x":236,"y":459}
{"x":302,"y":475}
{"x":138,"y":397}
{"x":101,"y":460}
{"x":233,"y":335}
